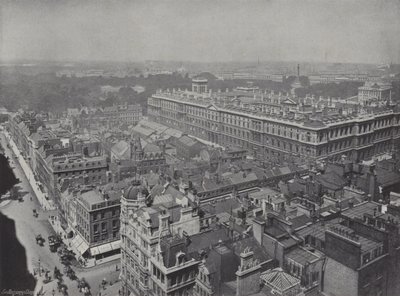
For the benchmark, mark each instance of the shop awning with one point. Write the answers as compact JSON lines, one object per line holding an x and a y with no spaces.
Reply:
{"x":116,"y":245}
{"x":83,"y":247}
{"x":79,"y":244}
{"x":77,"y":240}
{"x":94,"y":251}
{"x":105,"y":248}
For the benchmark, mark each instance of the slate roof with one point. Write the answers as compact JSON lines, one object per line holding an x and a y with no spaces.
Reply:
{"x":185,"y":140}
{"x":151,"y":148}
{"x":275,"y":231}
{"x":159,"y":189}
{"x":301,"y":256}
{"x":331,"y":181}
{"x":241,"y":178}
{"x":206,"y":239}
{"x":359,"y":210}
{"x":250,"y":242}
{"x":366,"y":243}
{"x":300,"y":221}
{"x":316,"y":230}
{"x":263,"y":193}
{"x":224,"y":206}
{"x":387,"y":178}
{"x":143,"y":130}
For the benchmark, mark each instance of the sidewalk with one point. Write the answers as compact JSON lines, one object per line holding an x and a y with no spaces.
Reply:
{"x":46,"y":204}
{"x":56,"y":225}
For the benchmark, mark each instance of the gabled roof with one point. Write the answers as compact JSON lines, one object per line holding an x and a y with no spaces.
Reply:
{"x":289,"y":101}
{"x":212,"y":107}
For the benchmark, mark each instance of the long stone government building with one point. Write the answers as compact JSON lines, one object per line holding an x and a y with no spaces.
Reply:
{"x":279,"y":126}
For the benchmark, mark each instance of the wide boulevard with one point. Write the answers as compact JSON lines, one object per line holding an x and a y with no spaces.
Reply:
{"x":27,"y":227}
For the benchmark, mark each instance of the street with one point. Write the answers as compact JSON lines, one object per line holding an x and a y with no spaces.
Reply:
{"x":27,"y":227}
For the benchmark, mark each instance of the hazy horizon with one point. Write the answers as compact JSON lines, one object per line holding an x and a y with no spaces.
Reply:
{"x":312,"y":31}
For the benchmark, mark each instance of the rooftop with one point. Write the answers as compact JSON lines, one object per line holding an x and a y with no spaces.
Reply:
{"x":359,"y":210}
{"x":279,"y":280}
{"x":301,"y":256}
{"x":366,"y":244}
{"x":206,"y":239}
{"x":222,"y":102}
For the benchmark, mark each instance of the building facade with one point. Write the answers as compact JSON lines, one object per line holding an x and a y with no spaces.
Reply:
{"x":154,"y":257}
{"x":278,"y":133}
{"x":138,"y":160}
{"x":98,"y":223}
{"x":376,"y":93}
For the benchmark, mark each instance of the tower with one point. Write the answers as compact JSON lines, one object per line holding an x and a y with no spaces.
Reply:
{"x":136,"y":149}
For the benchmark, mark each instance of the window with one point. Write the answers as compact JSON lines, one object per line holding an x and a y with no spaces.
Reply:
{"x":366,"y":258}
{"x":322,"y":245}
{"x":313,"y":241}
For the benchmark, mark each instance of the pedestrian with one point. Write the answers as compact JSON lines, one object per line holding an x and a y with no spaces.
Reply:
{"x":116,"y":267}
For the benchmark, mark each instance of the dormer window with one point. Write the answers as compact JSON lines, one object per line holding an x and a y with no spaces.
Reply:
{"x":180,"y":258}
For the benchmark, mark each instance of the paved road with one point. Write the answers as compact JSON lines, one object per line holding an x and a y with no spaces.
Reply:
{"x":27,"y":227}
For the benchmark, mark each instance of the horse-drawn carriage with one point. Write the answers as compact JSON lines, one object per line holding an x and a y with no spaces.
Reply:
{"x":39,"y":240}
{"x":54,"y":242}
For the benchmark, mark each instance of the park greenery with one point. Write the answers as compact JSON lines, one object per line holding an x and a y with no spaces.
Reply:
{"x":50,"y":93}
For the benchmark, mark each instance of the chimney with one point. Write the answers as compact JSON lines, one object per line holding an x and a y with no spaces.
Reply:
{"x":248,"y":274}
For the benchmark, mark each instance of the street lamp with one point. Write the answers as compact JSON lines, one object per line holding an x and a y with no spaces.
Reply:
{"x":40,"y":273}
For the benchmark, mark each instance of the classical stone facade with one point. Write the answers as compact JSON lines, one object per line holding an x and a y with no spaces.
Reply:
{"x":277,"y":127}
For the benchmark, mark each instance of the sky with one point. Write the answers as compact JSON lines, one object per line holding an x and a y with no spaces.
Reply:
{"x":359,"y":31}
